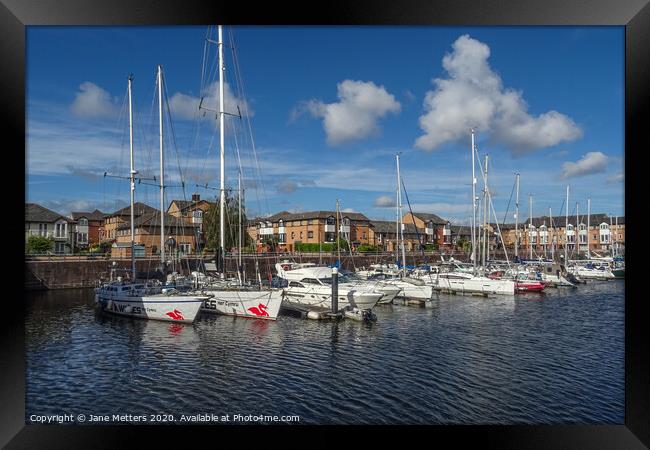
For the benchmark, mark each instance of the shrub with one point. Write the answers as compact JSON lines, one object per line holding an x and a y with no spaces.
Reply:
{"x":39,"y":244}
{"x":366,"y":248}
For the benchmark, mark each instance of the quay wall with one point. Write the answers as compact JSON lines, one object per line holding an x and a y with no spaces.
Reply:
{"x":68,"y":272}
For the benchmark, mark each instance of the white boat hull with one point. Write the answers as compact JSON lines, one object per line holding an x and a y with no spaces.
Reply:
{"x":593,"y":274}
{"x":264,"y":304}
{"x":479,"y":285}
{"x":169,"y":308}
{"x":316,"y":297}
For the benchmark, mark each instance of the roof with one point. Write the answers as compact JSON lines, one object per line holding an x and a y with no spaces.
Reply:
{"x":389,"y":227}
{"x":461,"y":230}
{"x":426,"y":217}
{"x":153,"y":220}
{"x":560,"y":221}
{"x":139,"y":208}
{"x":287,"y":216}
{"x":95,"y":215}
{"x":184,"y":204}
{"x":38,"y":213}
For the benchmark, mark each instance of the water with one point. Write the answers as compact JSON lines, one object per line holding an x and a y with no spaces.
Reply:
{"x":555,"y":358}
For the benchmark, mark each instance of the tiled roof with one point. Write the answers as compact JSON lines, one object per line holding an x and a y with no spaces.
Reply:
{"x":37,"y":213}
{"x":139,"y":208}
{"x":389,"y":227}
{"x":287,"y":216}
{"x":95,"y":215}
{"x":427,"y":217}
{"x":153,"y":220}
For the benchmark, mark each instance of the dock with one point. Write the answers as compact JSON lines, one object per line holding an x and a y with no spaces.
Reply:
{"x":309,"y":311}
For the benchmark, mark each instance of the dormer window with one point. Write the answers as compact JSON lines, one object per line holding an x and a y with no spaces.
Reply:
{"x":569,"y":227}
{"x":83,"y":222}
{"x":582,"y":227}
{"x":604,"y":226}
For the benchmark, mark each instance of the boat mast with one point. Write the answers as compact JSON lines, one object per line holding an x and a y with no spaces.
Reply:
{"x":577,"y":246}
{"x":473,"y":207}
{"x":588,"y":229}
{"x":239,"y":264}
{"x":550,"y":226}
{"x":222,"y":194}
{"x":517,"y":219}
{"x":399,"y":214}
{"x":616,"y":236}
{"x":485,"y":212}
{"x":566,"y":227}
{"x":132,"y":173}
{"x":162,"y":169}
{"x":530,"y":225}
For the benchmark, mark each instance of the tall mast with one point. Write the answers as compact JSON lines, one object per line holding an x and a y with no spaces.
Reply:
{"x":517,"y":219}
{"x":577,"y":246}
{"x":399,"y":214}
{"x":485,"y":212}
{"x":132,"y":177}
{"x":530,"y":225}
{"x":616,"y":236}
{"x":397,"y":227}
{"x":162,"y":168}
{"x":550,"y":226}
{"x":239,"y":265}
{"x":473,"y":207}
{"x":588,"y":228}
{"x":222,"y":194}
{"x":338,"y":234}
{"x":611,"y":229}
{"x":566,"y":227}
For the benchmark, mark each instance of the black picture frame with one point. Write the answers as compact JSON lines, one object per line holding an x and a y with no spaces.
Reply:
{"x":15,"y":15}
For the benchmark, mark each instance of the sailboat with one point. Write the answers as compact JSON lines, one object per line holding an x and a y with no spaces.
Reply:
{"x":233,"y":298}
{"x":471,"y":283}
{"x":141,"y":299}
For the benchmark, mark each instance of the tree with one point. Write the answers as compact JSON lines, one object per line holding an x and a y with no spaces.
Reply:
{"x":211,"y":219}
{"x":39,"y":244}
{"x":463,"y":243}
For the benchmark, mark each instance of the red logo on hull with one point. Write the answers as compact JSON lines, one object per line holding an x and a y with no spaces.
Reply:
{"x":260,"y":310}
{"x":175,"y":314}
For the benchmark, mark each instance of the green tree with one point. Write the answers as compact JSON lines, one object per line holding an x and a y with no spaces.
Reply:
{"x":463,"y":243}
{"x":211,"y":219}
{"x":39,"y":244}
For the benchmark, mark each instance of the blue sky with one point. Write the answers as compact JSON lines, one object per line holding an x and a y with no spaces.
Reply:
{"x":328,"y":108}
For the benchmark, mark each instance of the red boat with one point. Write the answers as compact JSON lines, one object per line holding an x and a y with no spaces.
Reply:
{"x":529,"y":286}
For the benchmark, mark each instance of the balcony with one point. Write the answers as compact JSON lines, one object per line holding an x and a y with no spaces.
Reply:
{"x":266,"y":231}
{"x":330,"y":228}
{"x":428,"y":230}
{"x":344,"y":229}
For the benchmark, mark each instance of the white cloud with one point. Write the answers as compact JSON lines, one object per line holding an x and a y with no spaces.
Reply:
{"x":591,"y":163}
{"x":356,"y":115}
{"x":384,"y":201}
{"x":186,"y":107}
{"x":473,"y":96}
{"x":93,"y":101}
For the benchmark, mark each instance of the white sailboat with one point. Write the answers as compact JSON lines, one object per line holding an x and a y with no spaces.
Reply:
{"x":139,"y":299}
{"x":234,"y":299}
{"x":470,"y":283}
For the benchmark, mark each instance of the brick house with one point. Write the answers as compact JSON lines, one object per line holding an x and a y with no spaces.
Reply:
{"x":87,"y":227}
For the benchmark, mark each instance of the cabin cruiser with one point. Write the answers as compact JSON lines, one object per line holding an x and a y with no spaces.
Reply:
{"x":466,"y":283}
{"x":309,"y":284}
{"x":592,"y":272}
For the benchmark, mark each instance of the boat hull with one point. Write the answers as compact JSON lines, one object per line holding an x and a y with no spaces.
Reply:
{"x":179,"y":309}
{"x":361,"y":300}
{"x":529,"y":286}
{"x":475,"y":286}
{"x":263,"y":304}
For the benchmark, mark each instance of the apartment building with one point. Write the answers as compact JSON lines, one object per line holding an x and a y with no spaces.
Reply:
{"x":431,"y":226}
{"x":282,"y":231}
{"x":40,"y":221}
{"x":87,"y":226}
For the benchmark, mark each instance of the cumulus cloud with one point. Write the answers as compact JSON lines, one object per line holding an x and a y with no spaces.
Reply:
{"x":592,"y":162}
{"x":473,"y":96}
{"x":384,"y":201}
{"x":93,"y":101}
{"x":355,"y":116}
{"x":185,"y":106}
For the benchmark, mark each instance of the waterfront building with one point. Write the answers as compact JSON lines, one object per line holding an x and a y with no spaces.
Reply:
{"x":431,"y":226}
{"x":40,"y":221}
{"x":108,"y":232}
{"x":87,"y":227}
{"x":192,"y":212}
{"x":383,"y":235}
{"x":281,"y":232}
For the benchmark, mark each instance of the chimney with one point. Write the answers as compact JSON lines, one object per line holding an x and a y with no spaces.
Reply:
{"x":196,"y":197}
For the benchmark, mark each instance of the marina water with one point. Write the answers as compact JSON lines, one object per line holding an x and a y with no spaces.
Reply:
{"x":551,"y":358}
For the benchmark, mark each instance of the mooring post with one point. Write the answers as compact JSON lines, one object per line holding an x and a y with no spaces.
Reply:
{"x":335,"y":290}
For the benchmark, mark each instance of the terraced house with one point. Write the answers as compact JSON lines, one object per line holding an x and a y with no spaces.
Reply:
{"x":282,"y":231}
{"x":40,"y":221}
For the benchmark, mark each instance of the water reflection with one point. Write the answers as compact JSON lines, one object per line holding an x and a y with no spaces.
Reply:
{"x":551,"y":358}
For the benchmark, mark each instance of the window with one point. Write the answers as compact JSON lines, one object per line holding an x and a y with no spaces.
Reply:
{"x":301,"y":235}
{"x":582,"y":227}
{"x":184,"y":248}
{"x":569,"y":227}
{"x":583,"y":238}
{"x":42,"y":229}
{"x":310,"y":234}
{"x":293,"y":235}
{"x":604,"y":226}
{"x":604,"y":238}
{"x":363,"y":235}
{"x":83,"y":222}
{"x":295,"y":284}
{"x":282,"y":237}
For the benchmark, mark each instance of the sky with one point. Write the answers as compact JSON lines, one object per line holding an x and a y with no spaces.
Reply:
{"x":318,"y":113}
